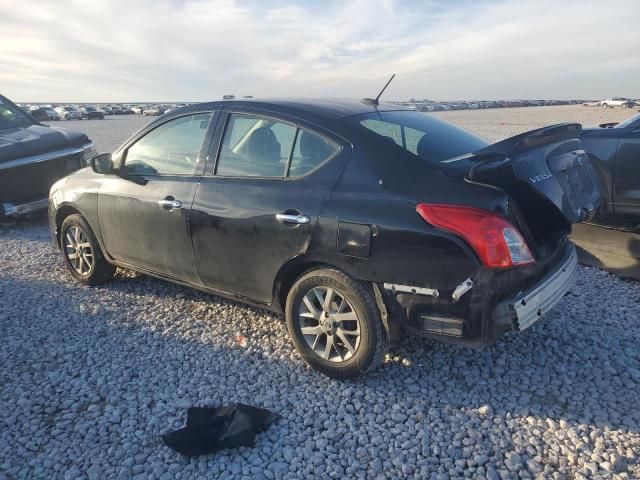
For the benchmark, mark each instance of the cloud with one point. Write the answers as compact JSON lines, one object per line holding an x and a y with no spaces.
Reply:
{"x":166,"y":50}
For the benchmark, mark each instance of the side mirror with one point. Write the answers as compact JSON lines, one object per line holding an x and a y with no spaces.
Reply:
{"x":103,"y":164}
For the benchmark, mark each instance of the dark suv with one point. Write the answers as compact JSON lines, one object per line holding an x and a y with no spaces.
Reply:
{"x":351,"y":218}
{"x":32,"y":157}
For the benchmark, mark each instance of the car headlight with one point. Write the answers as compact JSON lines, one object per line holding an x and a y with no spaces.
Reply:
{"x":88,"y":152}
{"x":55,"y":196}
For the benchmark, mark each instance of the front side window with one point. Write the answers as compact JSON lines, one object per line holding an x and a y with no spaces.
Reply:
{"x":255,"y":146}
{"x":170,"y":149}
{"x":423,"y":135}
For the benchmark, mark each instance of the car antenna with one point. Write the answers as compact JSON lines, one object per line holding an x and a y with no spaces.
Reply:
{"x":374,"y":101}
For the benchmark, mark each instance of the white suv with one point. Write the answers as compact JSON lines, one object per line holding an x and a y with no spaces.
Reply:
{"x":614,"y":102}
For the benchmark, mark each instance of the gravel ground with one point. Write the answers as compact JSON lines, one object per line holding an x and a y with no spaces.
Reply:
{"x":89,"y":378}
{"x":499,"y":123}
{"x":107,"y":134}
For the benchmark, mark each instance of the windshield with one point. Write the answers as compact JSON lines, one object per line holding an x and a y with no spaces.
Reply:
{"x":629,"y":121}
{"x":13,"y":117}
{"x":421,"y":134}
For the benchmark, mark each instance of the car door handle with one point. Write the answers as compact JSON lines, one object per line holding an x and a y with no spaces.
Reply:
{"x":170,"y":204}
{"x":298,"y":219}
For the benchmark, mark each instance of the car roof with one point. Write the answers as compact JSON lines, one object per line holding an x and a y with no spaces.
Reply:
{"x":327,"y":108}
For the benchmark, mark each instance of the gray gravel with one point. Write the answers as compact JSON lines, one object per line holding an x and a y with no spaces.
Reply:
{"x":498,"y":123}
{"x":107,"y":134}
{"x":90,"y":377}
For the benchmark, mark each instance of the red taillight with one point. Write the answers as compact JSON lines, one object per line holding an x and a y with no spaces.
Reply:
{"x":495,"y":241}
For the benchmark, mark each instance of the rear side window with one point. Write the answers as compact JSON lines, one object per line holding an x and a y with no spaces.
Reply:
{"x":255,"y":146}
{"x":311,"y":151}
{"x":425,"y":136}
{"x":170,"y":149}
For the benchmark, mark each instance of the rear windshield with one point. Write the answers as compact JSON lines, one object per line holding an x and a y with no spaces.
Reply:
{"x":421,"y":134}
{"x":12,"y":116}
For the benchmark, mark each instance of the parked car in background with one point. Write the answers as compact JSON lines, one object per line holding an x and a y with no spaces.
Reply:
{"x":152,"y":111}
{"x":138,"y":109}
{"x":69,"y":112}
{"x":52,"y":114}
{"x":91,"y":113}
{"x":614,"y":102}
{"x":614,"y":149}
{"x":34,"y":156}
{"x":39,"y":114}
{"x":351,"y":218}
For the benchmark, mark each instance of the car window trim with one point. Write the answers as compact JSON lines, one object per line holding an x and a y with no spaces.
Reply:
{"x":219,"y":137}
{"x":200,"y":164}
{"x":293,"y":149}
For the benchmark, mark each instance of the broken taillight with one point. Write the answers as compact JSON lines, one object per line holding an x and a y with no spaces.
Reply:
{"x":497,"y":243}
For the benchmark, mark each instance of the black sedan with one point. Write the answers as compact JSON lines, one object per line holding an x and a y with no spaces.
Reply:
{"x":352,"y":219}
{"x":32,"y":157}
{"x":615,"y":152}
{"x":91,"y":113}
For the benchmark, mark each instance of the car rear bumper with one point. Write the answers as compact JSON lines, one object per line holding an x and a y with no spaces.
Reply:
{"x":529,"y":306}
{"x":492,"y":302}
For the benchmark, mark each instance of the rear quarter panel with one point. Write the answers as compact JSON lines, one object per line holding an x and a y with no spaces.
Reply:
{"x":381,"y":188}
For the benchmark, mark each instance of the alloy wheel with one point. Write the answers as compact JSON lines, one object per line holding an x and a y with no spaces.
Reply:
{"x":329,"y":324}
{"x":78,"y":251}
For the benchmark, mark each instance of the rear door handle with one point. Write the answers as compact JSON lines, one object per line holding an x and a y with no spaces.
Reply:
{"x":170,"y":204}
{"x":297,"y":219}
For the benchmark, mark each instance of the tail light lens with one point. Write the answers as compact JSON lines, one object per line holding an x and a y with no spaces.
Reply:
{"x":497,"y":243}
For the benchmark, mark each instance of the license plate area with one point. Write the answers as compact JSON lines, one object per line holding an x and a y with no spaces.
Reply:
{"x":574,"y":174}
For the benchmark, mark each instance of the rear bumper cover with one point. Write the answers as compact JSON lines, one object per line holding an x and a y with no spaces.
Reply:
{"x":529,"y":306}
{"x":499,"y":301}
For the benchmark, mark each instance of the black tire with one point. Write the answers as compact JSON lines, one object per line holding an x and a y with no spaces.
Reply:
{"x":373,"y":339}
{"x":100,"y":270}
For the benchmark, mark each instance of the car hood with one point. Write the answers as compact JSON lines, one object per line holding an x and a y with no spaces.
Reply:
{"x":36,"y":139}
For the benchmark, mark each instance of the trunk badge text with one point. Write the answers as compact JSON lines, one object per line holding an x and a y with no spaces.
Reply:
{"x":540,"y":178}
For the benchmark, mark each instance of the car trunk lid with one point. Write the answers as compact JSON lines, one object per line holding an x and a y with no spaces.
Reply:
{"x":546,"y":172}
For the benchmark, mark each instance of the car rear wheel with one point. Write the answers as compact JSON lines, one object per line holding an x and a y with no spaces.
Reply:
{"x":335,"y":324}
{"x":82,"y":254}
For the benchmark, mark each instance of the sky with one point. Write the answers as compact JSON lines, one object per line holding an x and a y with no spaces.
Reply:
{"x":197,"y":50}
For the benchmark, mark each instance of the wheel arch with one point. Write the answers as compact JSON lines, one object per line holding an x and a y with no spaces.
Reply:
{"x":62,"y":213}
{"x":298,"y":266}
{"x":65,"y":210}
{"x":289,"y":273}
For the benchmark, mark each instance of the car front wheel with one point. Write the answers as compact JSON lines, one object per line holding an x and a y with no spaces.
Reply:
{"x":335,"y":324}
{"x":82,"y":254}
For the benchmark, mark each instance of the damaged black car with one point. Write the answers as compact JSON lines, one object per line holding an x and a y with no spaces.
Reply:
{"x":33,"y":157}
{"x":614,"y":149}
{"x":356,"y":220}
